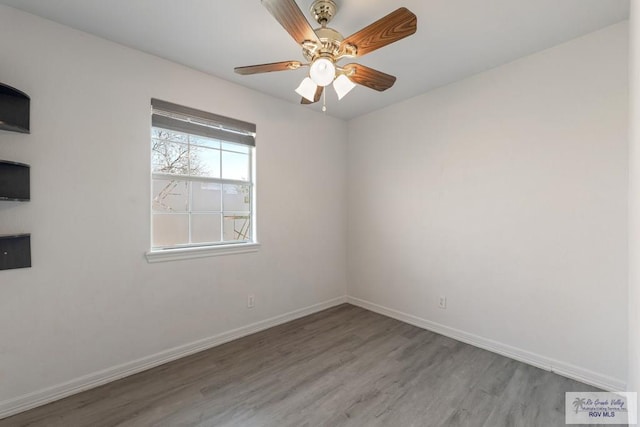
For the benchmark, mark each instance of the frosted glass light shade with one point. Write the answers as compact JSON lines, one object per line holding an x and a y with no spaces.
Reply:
{"x":322,"y":72}
{"x":307,"y":89}
{"x":343,"y":85}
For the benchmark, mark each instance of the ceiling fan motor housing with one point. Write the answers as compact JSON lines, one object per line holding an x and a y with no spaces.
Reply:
{"x":330,"y":45}
{"x":330,"y":40}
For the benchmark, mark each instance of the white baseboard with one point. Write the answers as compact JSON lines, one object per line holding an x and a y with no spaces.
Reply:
{"x":561,"y":368}
{"x":60,"y":391}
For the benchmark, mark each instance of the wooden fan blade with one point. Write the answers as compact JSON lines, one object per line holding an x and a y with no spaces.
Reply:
{"x":393,"y":27}
{"x":289,"y":15}
{"x":266,"y":68}
{"x":369,"y":77}
{"x":316,"y":97}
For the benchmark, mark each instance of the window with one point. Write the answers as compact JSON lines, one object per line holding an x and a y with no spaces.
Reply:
{"x":202,"y":180}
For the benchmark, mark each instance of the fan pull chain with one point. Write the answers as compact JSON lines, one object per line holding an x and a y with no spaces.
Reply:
{"x":324,"y":101}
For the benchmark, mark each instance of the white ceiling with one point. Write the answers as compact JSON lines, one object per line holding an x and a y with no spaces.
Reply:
{"x":455,"y":38}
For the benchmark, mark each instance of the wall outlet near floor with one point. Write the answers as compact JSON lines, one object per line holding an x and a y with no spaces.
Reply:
{"x":251,"y":301}
{"x":442,"y":303}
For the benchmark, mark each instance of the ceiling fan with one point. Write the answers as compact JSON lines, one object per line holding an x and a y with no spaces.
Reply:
{"x":324,"y":47}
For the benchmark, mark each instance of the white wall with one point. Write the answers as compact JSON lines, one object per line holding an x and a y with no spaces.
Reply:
{"x":506,"y":193}
{"x":91,"y":301}
{"x":633,"y":383}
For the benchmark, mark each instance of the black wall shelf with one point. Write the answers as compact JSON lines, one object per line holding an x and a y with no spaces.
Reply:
{"x":14,"y":109}
{"x":14,"y":181}
{"x":15,"y":251}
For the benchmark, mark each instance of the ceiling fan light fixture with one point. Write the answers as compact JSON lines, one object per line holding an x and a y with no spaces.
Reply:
{"x":343,"y":85}
{"x":322,"y":71}
{"x":307,"y":89}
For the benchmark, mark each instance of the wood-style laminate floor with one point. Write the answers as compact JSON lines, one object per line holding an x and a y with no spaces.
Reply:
{"x":341,"y":367}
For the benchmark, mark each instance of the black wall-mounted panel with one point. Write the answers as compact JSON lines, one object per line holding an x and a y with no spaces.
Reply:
{"x":14,"y":181}
{"x":14,"y":109}
{"x":15,"y":251}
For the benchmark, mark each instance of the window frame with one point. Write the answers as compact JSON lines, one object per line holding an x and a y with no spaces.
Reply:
{"x":191,"y":122}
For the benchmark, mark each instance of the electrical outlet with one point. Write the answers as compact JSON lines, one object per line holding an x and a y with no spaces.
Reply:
{"x":251,"y":301}
{"x":442,"y":303}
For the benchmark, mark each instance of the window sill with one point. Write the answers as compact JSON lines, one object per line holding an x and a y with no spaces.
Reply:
{"x":200,"y":252}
